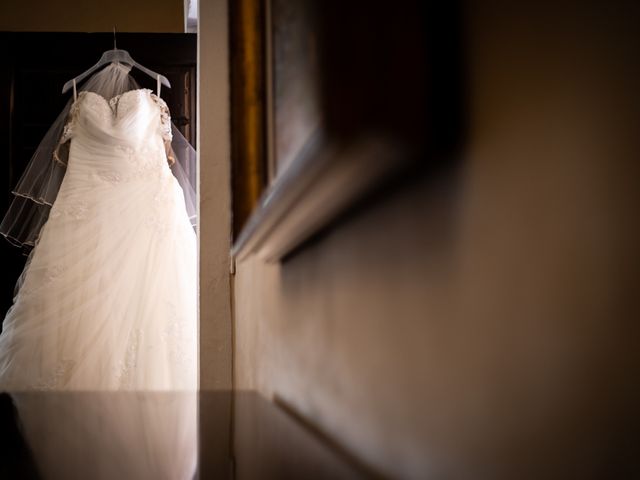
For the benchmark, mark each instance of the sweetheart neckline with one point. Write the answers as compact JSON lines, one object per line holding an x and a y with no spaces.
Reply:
{"x":120,"y":95}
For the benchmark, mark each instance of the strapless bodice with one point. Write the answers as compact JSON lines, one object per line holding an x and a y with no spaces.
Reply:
{"x":118,"y":138}
{"x":130,"y":117}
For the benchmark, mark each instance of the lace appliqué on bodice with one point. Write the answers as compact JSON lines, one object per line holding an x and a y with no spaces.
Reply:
{"x":146,"y":162}
{"x":106,"y":109}
{"x":165,"y":118}
{"x":61,"y":152}
{"x":165,"y":128}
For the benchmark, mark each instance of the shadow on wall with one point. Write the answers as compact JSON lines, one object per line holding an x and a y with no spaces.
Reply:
{"x":476,"y":320}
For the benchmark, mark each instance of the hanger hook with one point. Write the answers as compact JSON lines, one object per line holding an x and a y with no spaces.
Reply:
{"x":114,"y":37}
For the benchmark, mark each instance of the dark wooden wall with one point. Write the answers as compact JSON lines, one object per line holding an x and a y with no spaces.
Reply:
{"x":36,"y":65}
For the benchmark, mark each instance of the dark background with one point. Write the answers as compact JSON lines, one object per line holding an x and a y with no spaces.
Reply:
{"x":36,"y":65}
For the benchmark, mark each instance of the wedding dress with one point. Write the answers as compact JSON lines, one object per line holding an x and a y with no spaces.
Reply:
{"x":108,"y":297}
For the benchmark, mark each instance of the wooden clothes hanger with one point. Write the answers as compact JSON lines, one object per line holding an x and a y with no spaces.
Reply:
{"x":121,"y":56}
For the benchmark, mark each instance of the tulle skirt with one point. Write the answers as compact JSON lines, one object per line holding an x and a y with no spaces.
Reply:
{"x":108,"y":297}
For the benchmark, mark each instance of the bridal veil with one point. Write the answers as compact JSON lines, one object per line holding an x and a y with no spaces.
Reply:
{"x":38,"y":186}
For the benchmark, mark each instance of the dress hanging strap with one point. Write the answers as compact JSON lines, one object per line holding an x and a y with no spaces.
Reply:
{"x":75,"y":93}
{"x":159,"y":85}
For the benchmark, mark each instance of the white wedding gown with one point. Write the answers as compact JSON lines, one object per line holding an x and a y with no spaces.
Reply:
{"x":109,"y":293}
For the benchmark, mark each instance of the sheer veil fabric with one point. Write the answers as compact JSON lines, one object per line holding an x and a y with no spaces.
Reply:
{"x":38,"y":186}
{"x":108,"y":297}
